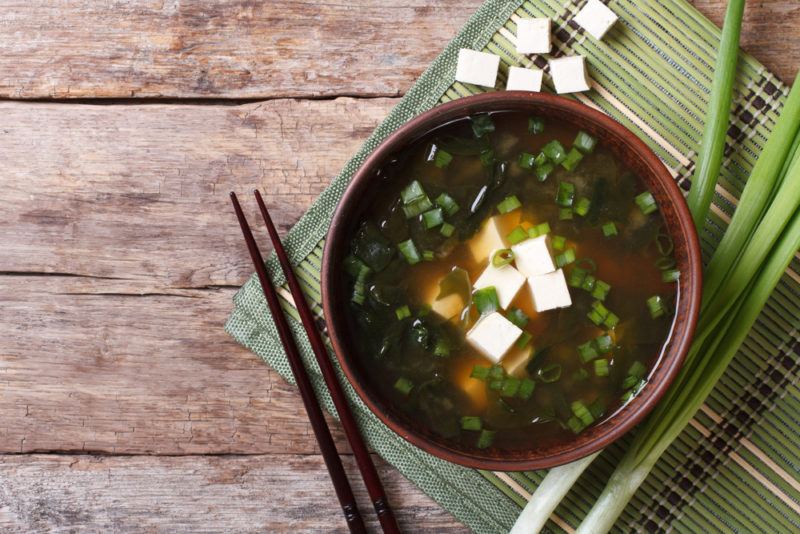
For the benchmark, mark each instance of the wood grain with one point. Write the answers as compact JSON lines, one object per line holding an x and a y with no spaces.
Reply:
{"x":192,"y":494}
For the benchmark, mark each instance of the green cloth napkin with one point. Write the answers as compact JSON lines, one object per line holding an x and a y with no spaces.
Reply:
{"x":737,"y":466}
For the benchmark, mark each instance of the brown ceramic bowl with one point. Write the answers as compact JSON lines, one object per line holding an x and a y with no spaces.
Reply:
{"x":638,"y":157}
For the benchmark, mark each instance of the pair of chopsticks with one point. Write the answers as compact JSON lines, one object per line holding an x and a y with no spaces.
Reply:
{"x":321,"y":431}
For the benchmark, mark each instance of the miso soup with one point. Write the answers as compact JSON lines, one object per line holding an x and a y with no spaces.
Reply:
{"x":512,"y":284}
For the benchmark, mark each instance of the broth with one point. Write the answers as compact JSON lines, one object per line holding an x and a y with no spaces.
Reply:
{"x":415,"y":260}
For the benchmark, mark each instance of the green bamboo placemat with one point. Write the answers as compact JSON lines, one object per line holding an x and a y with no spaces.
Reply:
{"x":736,"y":467}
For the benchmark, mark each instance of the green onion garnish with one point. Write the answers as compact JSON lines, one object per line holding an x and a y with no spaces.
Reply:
{"x":447,"y":203}
{"x":502,"y":257}
{"x":554,"y":151}
{"x":587,"y":351}
{"x":432,"y":218}
{"x":601,"y":289}
{"x":485,"y":300}
{"x":609,"y":229}
{"x":604,"y":343}
{"x":543,"y":171}
{"x":597,"y":409}
{"x":576,"y":277}
{"x":471,"y":422}
{"x":588,"y":282}
{"x":539,"y":229}
{"x":573,"y":157}
{"x":412,"y":192}
{"x":611,"y":321}
{"x":517,"y":235}
{"x":566,"y":257}
{"x":565,"y":214}
{"x":523,"y":340}
{"x":480,"y":372}
{"x":526,"y":388}
{"x":559,"y":242}
{"x":447,"y":229}
{"x":629,"y":382}
{"x":527,"y":160}
{"x":575,"y":424}
{"x":584,"y":142}
{"x":601,"y":367}
{"x":403,"y":312}
{"x":485,"y":439}
{"x":409,"y":251}
{"x":442,"y":159}
{"x":496,"y":372}
{"x":565,"y":195}
{"x":646,"y":202}
{"x":637,"y":369}
{"x":404,"y":385}
{"x":549,"y":373}
{"x":518,"y":317}
{"x":509,"y":204}
{"x":582,"y":206}
{"x":495,"y":384}
{"x":487,"y":157}
{"x":428,"y":255}
{"x":656,"y":306}
{"x":542,"y":159}
{"x":535,"y":125}
{"x":670,"y":275}
{"x":481,"y":124}
{"x":510,"y":386}
{"x":580,"y":411}
{"x":417,"y":207}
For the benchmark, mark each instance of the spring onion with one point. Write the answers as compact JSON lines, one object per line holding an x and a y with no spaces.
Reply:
{"x":486,"y":300}
{"x":576,"y":277}
{"x":554,"y":151}
{"x":565,"y":214}
{"x":526,"y":388}
{"x":502,"y":257}
{"x":527,"y":160}
{"x":480,"y":372}
{"x":604,"y":343}
{"x":549,"y":373}
{"x":442,"y":158}
{"x":646,"y":202}
{"x":670,"y":275}
{"x":412,"y":192}
{"x":588,"y":282}
{"x":428,"y":255}
{"x":510,"y":386}
{"x":417,"y":207}
{"x":543,"y":171}
{"x":582,"y":206}
{"x":518,"y":317}
{"x":565,"y":258}
{"x":471,"y":422}
{"x":601,"y":289}
{"x":481,"y":124}
{"x":409,"y":251}
{"x":432,"y":218}
{"x":656,"y":306}
{"x":485,"y":439}
{"x":447,"y":203}
{"x":509,"y":204}
{"x":601,"y":367}
{"x":517,"y":235}
{"x":447,"y":229}
{"x":580,"y":411}
{"x":536,"y":125}
{"x":580,"y":375}
{"x":584,"y":142}
{"x":404,"y":385}
{"x":571,"y":160}
{"x":523,"y":340}
{"x":609,"y":229}
{"x":588,"y":351}
{"x":403,"y":312}
{"x":559,"y":242}
{"x":539,"y":229}
{"x":565,"y":195}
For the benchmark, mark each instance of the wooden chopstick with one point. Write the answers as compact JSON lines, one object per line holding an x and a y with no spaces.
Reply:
{"x":318,"y":424}
{"x":363,"y":459}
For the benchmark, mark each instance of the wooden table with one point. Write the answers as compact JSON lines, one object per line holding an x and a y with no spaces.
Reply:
{"x":123,"y":404}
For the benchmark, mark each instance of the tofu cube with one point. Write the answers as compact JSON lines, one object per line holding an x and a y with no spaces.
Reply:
{"x":596,"y":18}
{"x":488,"y":239}
{"x":493,"y":335}
{"x":532,"y":257}
{"x":533,"y":36}
{"x":569,"y":74}
{"x":517,"y":358}
{"x":550,"y":291}
{"x":506,"y":280}
{"x":448,"y":307}
{"x":520,"y":79}
{"x":478,"y":68}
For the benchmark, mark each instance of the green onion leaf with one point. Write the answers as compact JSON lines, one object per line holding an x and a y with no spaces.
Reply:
{"x":573,"y":157}
{"x":432,"y":218}
{"x":601,"y":289}
{"x":670,"y":275}
{"x":566,"y":257}
{"x":523,"y":340}
{"x":582,"y":206}
{"x":485,"y":439}
{"x":447,"y":203}
{"x":575,"y":424}
{"x":428,"y":255}
{"x":412,"y":192}
{"x":481,"y":124}
{"x":517,"y":235}
{"x":403,"y":312}
{"x":576,"y":277}
{"x":480,"y":372}
{"x":509,"y":204}
{"x":447,"y":229}
{"x":554,"y":151}
{"x":526,"y":388}
{"x":588,"y":351}
{"x":527,"y":160}
{"x":502,"y":257}
{"x":656,"y":306}
{"x":543,"y":171}
{"x":536,"y":125}
{"x":565,"y":195}
{"x":409,"y":251}
{"x":539,"y":229}
{"x":580,"y":411}
{"x":510,"y":386}
{"x":601,"y":367}
{"x":471,"y":422}
{"x":404,"y":385}
{"x":558,"y":242}
{"x":485,"y":300}
{"x":442,"y":158}
{"x":584,"y":142}
{"x":496,"y":372}
{"x":609,"y":229}
{"x":604,"y":343}
{"x":646,"y":202}
{"x":417,"y":207}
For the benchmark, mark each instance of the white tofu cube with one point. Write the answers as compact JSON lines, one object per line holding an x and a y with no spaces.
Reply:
{"x":524,"y":79}
{"x":478,"y":68}
{"x":448,"y":307}
{"x":533,"y":36}
{"x":550,"y":291}
{"x":488,"y":239}
{"x":517,"y":358}
{"x":493,"y":335}
{"x":506,"y":280}
{"x":532,"y":257}
{"x":596,"y":18}
{"x":569,"y":74}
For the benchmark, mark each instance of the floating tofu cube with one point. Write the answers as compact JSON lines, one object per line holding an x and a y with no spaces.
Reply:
{"x":550,"y":291}
{"x":493,"y":335}
{"x":478,"y":68}
{"x":524,"y":79}
{"x":517,"y":358}
{"x":532,"y":257}
{"x":488,"y":239}
{"x":448,"y":307}
{"x":596,"y":18}
{"x":506,"y":280}
{"x":569,"y":74}
{"x":533,"y":36}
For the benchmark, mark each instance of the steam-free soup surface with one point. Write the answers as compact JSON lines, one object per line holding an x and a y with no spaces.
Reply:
{"x":432,"y":231}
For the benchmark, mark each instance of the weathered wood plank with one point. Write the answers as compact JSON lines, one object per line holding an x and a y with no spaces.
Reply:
{"x":245,"y":49}
{"x":141,"y":192}
{"x":193,"y":494}
{"x":221,"y":48}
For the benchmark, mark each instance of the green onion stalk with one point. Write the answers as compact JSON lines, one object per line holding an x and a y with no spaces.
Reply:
{"x":712,"y":144}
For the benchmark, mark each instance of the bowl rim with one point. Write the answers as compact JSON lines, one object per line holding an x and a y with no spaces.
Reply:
{"x":691,"y":289}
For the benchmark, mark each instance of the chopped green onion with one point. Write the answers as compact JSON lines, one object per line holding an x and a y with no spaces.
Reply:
{"x":428,"y":255}
{"x":403,"y":312}
{"x":575,"y":424}
{"x":354,"y":267}
{"x":510,"y":386}
{"x":573,"y":157}
{"x":496,"y":372}
{"x":518,"y":317}
{"x":543,"y":171}
{"x":432,"y":218}
{"x":523,"y":340}
{"x":412,"y":192}
{"x":485,"y":300}
{"x":540,"y":229}
{"x":637,"y":369}
{"x":584,"y":142}
{"x":580,"y":375}
{"x":542,"y":159}
{"x":554,"y":151}
{"x":487,"y":157}
{"x":495,"y":384}
{"x":611,"y":321}
{"x":442,"y":158}
{"x":576,"y":277}
{"x":582,"y":206}
{"x":565,"y":195}
{"x":485,"y":439}
{"x":665,"y":263}
{"x":587,"y":351}
{"x":517,"y":235}
{"x":580,"y":411}
{"x":597,"y":409}
{"x":409,"y":251}
{"x":447,"y":229}
{"x":417,"y":207}
{"x":404,"y":385}
{"x":527,"y":160}
{"x":535,"y":125}
{"x":609,"y":229}
{"x":670,"y":275}
{"x":588,"y":283}
{"x":598,"y":313}
{"x":565,"y":214}
{"x":502,"y":257}
{"x":601,"y":367}
{"x":629,"y":382}
{"x":656,"y":306}
{"x":447,"y":203}
{"x":601,"y":289}
{"x":549,"y":373}
{"x":566,"y":257}
{"x":481,"y":124}
{"x":559,"y":242}
{"x":604,"y":343}
{"x":509,"y":204}
{"x":471,"y":422}
{"x":646,"y":202}
{"x":480,"y":372}
{"x":526,"y":388}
